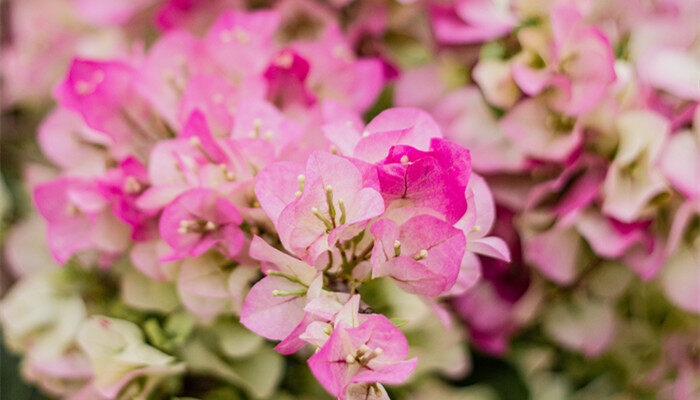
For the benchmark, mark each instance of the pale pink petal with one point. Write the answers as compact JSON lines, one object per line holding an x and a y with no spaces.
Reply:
{"x":260,"y":250}
{"x":396,"y":126}
{"x":275,"y":187}
{"x":490,"y":246}
{"x":273,"y":317}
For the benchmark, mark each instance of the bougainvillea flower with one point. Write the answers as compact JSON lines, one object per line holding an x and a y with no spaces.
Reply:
{"x":610,"y":238}
{"x":276,"y":186}
{"x":110,"y":13}
{"x":435,"y":179}
{"x":422,"y":255}
{"x":193,"y":16}
{"x":332,"y":205}
{"x":364,"y":391}
{"x":555,"y":252}
{"x":372,"y":352}
{"x":198,"y":220}
{"x":678,"y":278}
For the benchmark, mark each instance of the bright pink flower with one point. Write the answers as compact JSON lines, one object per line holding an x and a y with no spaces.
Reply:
{"x":332,"y":205}
{"x":372,"y":352}
{"x":472,"y":21}
{"x":422,"y":255}
{"x":435,"y":179}
{"x":200,"y":219}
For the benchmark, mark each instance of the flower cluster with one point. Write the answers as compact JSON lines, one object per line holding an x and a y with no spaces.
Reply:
{"x":270,"y":194}
{"x":592,"y":156}
{"x":192,"y":169}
